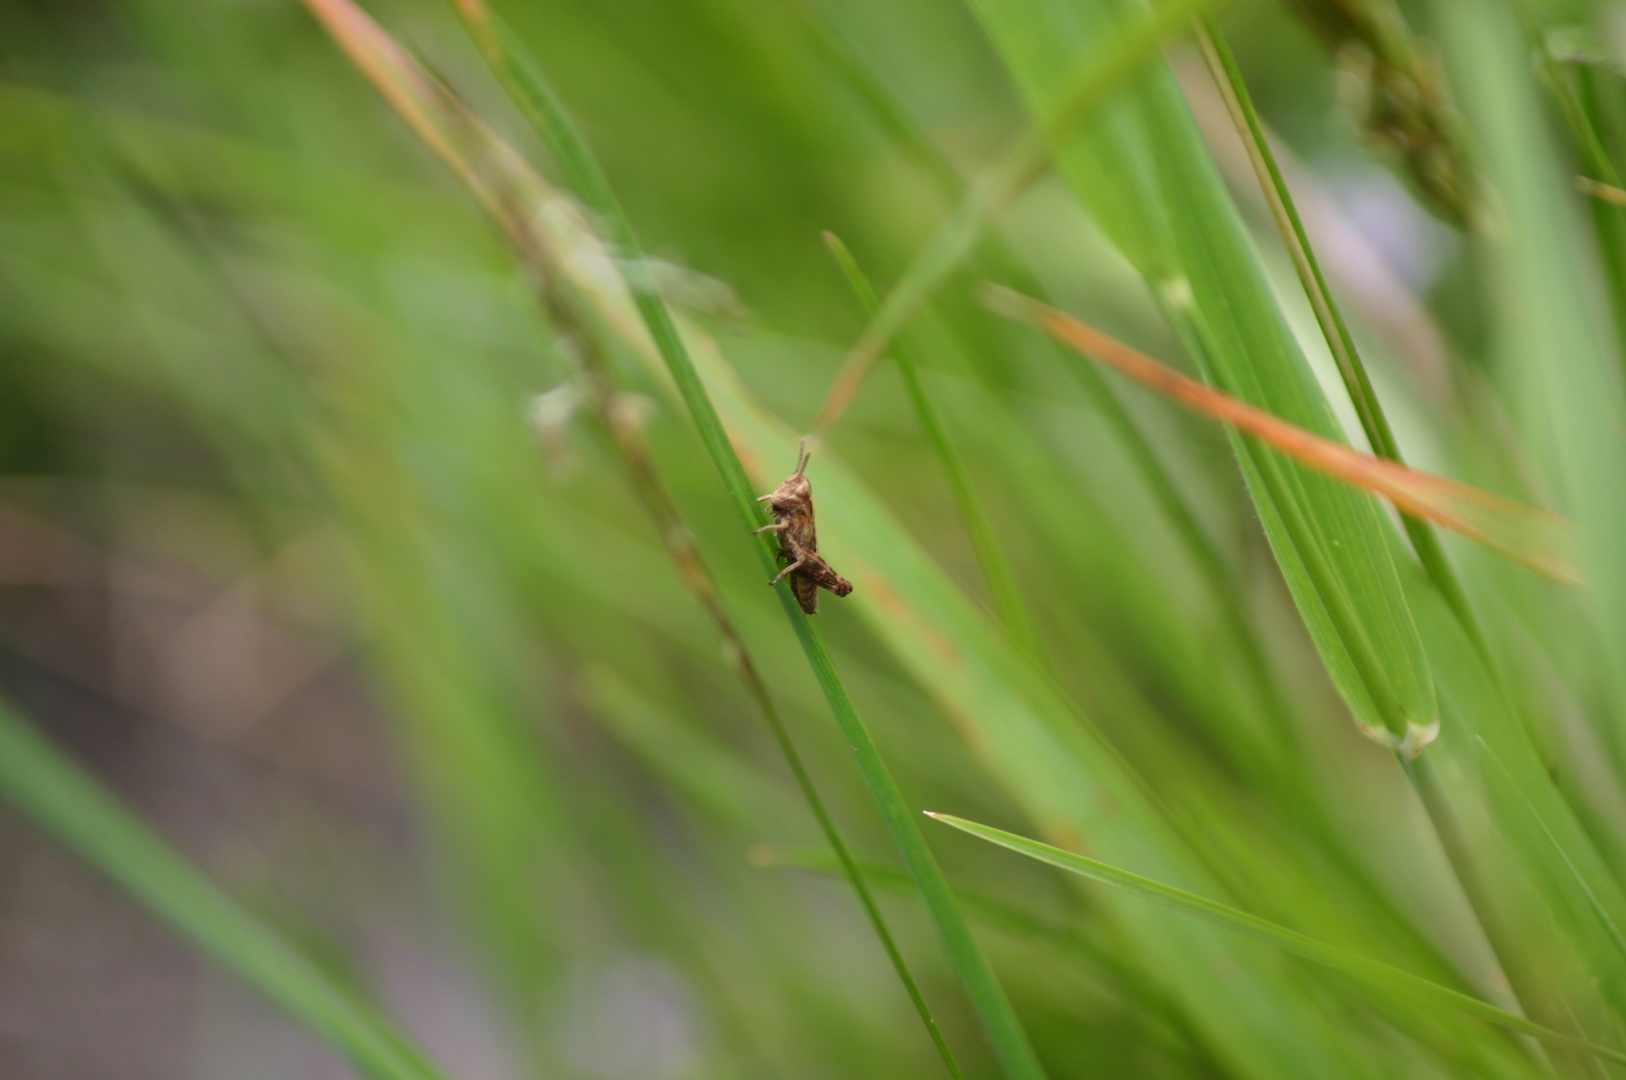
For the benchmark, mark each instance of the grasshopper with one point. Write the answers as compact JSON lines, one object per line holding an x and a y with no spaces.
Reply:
{"x":792,"y":506}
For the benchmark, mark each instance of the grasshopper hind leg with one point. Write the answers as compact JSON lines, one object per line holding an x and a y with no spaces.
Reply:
{"x":806,"y":591}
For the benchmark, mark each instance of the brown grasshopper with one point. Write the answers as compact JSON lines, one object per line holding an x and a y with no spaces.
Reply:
{"x":792,"y":506}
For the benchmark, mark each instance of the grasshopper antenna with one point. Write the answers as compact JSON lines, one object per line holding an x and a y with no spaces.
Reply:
{"x":803,"y":455}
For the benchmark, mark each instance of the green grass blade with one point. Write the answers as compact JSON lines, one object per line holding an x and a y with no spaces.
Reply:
{"x":999,"y":1019}
{"x":1390,"y":982}
{"x":1098,"y":950}
{"x":1142,"y":169}
{"x":537,"y":99}
{"x":79,"y":814}
{"x":1351,"y":369}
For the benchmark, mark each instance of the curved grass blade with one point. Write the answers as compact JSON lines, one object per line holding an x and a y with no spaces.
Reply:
{"x":1389,"y":982}
{"x":996,"y":912}
{"x":1144,"y":173}
{"x":79,"y":814}
{"x":1234,"y":91}
{"x":1538,"y":539}
{"x":1099,"y":950}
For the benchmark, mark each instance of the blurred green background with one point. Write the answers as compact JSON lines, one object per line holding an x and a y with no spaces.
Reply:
{"x":319,"y":550}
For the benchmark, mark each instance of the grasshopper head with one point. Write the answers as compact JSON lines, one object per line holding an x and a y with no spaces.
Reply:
{"x":796,"y":491}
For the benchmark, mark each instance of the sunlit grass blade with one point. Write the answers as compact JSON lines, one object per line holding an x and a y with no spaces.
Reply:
{"x":1090,"y":83}
{"x":78,"y":813}
{"x":1383,"y":979}
{"x":1536,"y":538}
